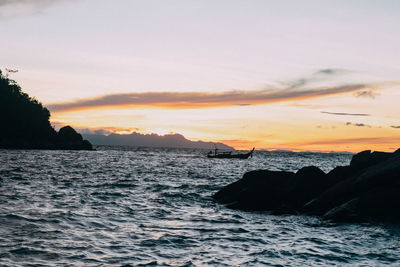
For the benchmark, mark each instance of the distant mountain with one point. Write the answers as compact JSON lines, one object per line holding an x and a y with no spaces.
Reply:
{"x":151,"y":140}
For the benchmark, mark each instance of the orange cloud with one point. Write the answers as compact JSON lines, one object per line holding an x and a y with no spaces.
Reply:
{"x":184,"y":100}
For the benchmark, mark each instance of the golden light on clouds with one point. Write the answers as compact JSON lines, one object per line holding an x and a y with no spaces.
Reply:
{"x":301,"y":84}
{"x":338,"y":122}
{"x":298,"y":115}
{"x":188,"y":100}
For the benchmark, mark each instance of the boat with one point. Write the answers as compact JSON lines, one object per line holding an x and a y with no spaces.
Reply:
{"x":229,"y":155}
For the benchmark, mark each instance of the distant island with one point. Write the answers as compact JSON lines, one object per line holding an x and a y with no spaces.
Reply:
{"x":151,"y":140}
{"x":25,"y":123}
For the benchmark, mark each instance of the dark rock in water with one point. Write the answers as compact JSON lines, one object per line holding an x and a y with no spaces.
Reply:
{"x":307,"y":183}
{"x":347,"y":212}
{"x":361,"y":159}
{"x":68,"y":134}
{"x":86,"y":145}
{"x":272,"y":190}
{"x":365,"y":159}
{"x":258,"y":190}
{"x":68,"y":138}
{"x":376,"y":178}
{"x":338,"y":174}
{"x":369,"y":188}
{"x":381,"y":204}
{"x":284,"y":210}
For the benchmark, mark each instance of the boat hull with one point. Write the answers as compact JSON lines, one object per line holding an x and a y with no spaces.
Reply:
{"x":230,"y":156}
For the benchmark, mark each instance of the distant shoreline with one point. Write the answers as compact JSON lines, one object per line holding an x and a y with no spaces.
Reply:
{"x":152,"y":140}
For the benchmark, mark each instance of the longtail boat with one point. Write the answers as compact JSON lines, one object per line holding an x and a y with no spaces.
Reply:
{"x":229,"y":155}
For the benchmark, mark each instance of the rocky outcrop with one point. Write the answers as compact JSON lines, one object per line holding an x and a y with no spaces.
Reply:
{"x":68,"y":138}
{"x":258,"y":190}
{"x":369,"y":188}
{"x":25,"y":123}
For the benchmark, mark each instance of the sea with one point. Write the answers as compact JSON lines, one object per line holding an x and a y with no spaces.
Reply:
{"x":125,"y":206}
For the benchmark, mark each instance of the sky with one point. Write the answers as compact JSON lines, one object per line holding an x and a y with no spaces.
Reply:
{"x":291,"y":75}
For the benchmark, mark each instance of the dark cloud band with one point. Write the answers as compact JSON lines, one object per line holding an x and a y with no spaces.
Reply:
{"x":358,"y":124}
{"x":201,"y":99}
{"x":345,"y":113}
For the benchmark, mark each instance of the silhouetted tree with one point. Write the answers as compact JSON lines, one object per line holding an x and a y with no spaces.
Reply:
{"x":24,"y":121}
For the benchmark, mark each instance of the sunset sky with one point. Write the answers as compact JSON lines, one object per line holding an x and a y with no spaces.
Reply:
{"x":297,"y":75}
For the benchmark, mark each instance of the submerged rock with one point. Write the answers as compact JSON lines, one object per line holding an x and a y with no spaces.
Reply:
{"x":369,"y":188}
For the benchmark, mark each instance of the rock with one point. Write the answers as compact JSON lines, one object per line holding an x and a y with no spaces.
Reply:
{"x":68,"y":134}
{"x":266,"y":190}
{"x":369,"y":188}
{"x":375,"y":204}
{"x":307,"y":183}
{"x":366,"y":159}
{"x":360,"y":160}
{"x":86,"y":145}
{"x":309,"y":171}
{"x":380,"y":204}
{"x":382,"y":175}
{"x":284,"y":210}
{"x":346,"y":212}
{"x":69,"y":139}
{"x":25,"y":123}
{"x":257,"y":190}
{"x":377,"y":157}
{"x":338,"y":174}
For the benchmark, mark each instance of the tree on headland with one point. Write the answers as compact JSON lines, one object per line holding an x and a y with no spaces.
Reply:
{"x":24,"y":120}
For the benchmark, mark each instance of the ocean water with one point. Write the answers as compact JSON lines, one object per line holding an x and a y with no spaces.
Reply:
{"x":140,"y":206}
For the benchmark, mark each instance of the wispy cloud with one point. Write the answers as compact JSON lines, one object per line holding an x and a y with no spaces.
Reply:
{"x":366,"y":93}
{"x":19,"y":2}
{"x":308,"y":106}
{"x":322,"y":74}
{"x":200,"y":99}
{"x":326,"y":127}
{"x":345,"y":113}
{"x":332,"y":71}
{"x":358,"y":124}
{"x":36,"y":3}
{"x":10,"y":8}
